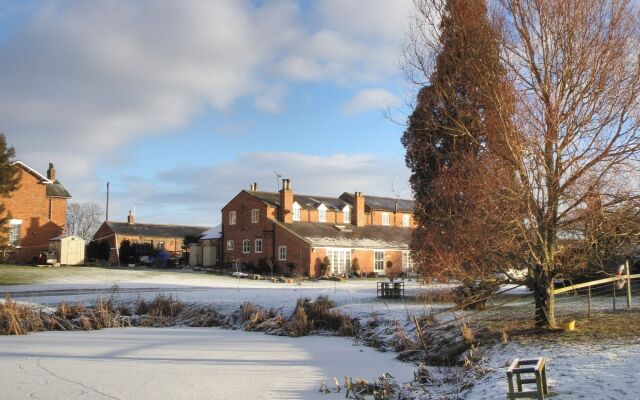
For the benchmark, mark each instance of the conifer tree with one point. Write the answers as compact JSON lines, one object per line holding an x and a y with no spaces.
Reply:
{"x":9,"y":181}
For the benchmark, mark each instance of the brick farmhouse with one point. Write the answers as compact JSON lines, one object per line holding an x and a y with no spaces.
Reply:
{"x":38,"y":210}
{"x":295,"y":232}
{"x":169,"y":238}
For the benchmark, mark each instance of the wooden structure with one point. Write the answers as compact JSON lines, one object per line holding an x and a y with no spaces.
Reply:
{"x":528,"y":372}
{"x":67,"y":250}
{"x":390,"y":290}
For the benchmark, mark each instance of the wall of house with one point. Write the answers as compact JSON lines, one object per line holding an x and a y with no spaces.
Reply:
{"x":244,"y":229}
{"x":31,"y":204}
{"x":365,"y":260}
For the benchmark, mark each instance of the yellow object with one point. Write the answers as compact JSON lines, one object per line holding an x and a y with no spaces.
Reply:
{"x":569,"y":326}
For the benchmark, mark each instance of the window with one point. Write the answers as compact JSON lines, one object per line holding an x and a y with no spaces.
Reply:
{"x":407,"y":261}
{"x":406,"y":220}
{"x":296,"y":212}
{"x":378,"y":260}
{"x":258,"y":246}
{"x":246,"y":246}
{"x":232,"y":218}
{"x":229,"y":244}
{"x":385,"y":218}
{"x":346,"y":214}
{"x":340,"y":260}
{"x":255,"y":216}
{"x":282,"y":253}
{"x":160,"y":246}
{"x":322,"y":213}
{"x":14,"y":232}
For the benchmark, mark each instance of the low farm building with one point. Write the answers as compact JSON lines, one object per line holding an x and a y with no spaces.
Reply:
{"x":169,"y":238}
{"x":295,"y":232}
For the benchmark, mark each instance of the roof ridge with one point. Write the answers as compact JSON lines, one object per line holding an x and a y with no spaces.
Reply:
{"x":177,"y":225}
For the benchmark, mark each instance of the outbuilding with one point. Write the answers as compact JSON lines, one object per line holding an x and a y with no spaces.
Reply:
{"x":68,"y":250}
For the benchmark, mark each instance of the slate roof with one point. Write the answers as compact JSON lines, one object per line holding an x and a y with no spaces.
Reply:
{"x":173,"y":231}
{"x":56,"y":189}
{"x":368,"y":237}
{"x":382,"y":203}
{"x":307,"y":202}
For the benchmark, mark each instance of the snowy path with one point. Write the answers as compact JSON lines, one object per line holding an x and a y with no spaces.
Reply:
{"x":182,"y":363}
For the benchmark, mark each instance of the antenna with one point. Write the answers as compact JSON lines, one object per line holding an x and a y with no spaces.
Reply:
{"x":278,"y":176}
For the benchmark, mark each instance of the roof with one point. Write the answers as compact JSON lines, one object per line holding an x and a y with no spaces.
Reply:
{"x":370,"y":236}
{"x":311,"y":202}
{"x":54,"y":189}
{"x":38,"y":175}
{"x":173,"y":231}
{"x":213,"y":233}
{"x":382,"y":203}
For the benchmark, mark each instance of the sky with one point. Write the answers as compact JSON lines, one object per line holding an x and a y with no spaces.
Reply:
{"x":182,"y":104}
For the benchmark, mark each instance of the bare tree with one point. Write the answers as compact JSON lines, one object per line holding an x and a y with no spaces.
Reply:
{"x":83,"y":219}
{"x":569,"y":137}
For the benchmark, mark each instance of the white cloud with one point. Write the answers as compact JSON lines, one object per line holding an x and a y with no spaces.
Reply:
{"x":81,"y":80}
{"x":200,"y":192}
{"x":370,"y":99}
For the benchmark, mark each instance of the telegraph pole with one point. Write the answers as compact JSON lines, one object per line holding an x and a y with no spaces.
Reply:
{"x":107,"y":216}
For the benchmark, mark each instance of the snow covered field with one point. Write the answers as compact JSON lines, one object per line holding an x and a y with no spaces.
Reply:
{"x":194,"y":363}
{"x":182,"y":363}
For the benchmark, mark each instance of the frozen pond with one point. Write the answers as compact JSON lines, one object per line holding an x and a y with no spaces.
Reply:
{"x":182,"y":363}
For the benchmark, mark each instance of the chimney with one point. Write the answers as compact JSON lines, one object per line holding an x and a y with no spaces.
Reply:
{"x":130,"y":218}
{"x":286,"y":202}
{"x":358,"y":209}
{"x":51,"y":173}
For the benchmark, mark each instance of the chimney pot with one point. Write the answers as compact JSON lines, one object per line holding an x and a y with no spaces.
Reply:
{"x":130,"y":218}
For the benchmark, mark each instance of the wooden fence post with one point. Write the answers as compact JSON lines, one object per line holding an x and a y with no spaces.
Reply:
{"x":628,"y":287}
{"x":614,"y":295}
{"x":589,"y":301}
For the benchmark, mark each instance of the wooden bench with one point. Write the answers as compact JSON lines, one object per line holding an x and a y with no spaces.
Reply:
{"x":528,"y":372}
{"x":390,"y":290}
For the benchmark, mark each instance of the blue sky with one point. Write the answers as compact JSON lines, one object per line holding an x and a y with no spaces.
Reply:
{"x":180,"y":105}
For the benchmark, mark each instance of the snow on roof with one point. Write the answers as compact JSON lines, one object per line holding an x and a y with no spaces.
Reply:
{"x":32,"y":171}
{"x":213,"y":233}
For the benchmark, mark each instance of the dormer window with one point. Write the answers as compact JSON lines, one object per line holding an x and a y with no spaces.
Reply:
{"x":322,"y":213}
{"x":385,"y":218}
{"x":296,"y":211}
{"x":346,"y":215}
{"x":406,"y":220}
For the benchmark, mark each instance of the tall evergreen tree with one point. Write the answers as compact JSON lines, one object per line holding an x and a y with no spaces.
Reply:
{"x":9,"y":181}
{"x":450,"y":133}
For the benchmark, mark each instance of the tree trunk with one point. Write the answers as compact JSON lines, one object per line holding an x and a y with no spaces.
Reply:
{"x":545,"y":302}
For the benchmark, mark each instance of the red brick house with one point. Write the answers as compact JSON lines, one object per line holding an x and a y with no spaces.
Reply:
{"x":296,"y":231}
{"x":168,"y":238}
{"x":38,"y":210}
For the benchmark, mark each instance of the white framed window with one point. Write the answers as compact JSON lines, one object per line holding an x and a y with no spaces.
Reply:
{"x":14,"y":232}
{"x":378,"y":260}
{"x":160,"y":246}
{"x":258,"y":246}
{"x":406,"y":220}
{"x":246,"y":246}
{"x":407,"y":261}
{"x":322,"y":213}
{"x":255,"y":216}
{"x":385,"y":218}
{"x":282,"y":253}
{"x":346,"y":215}
{"x":229,"y":244}
{"x":296,"y":211}
{"x":340,"y":260}
{"x":232,"y":217}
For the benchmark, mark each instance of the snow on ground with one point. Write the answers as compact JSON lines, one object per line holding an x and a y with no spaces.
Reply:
{"x":604,"y":370}
{"x":183,"y":363}
{"x":355,"y":297}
